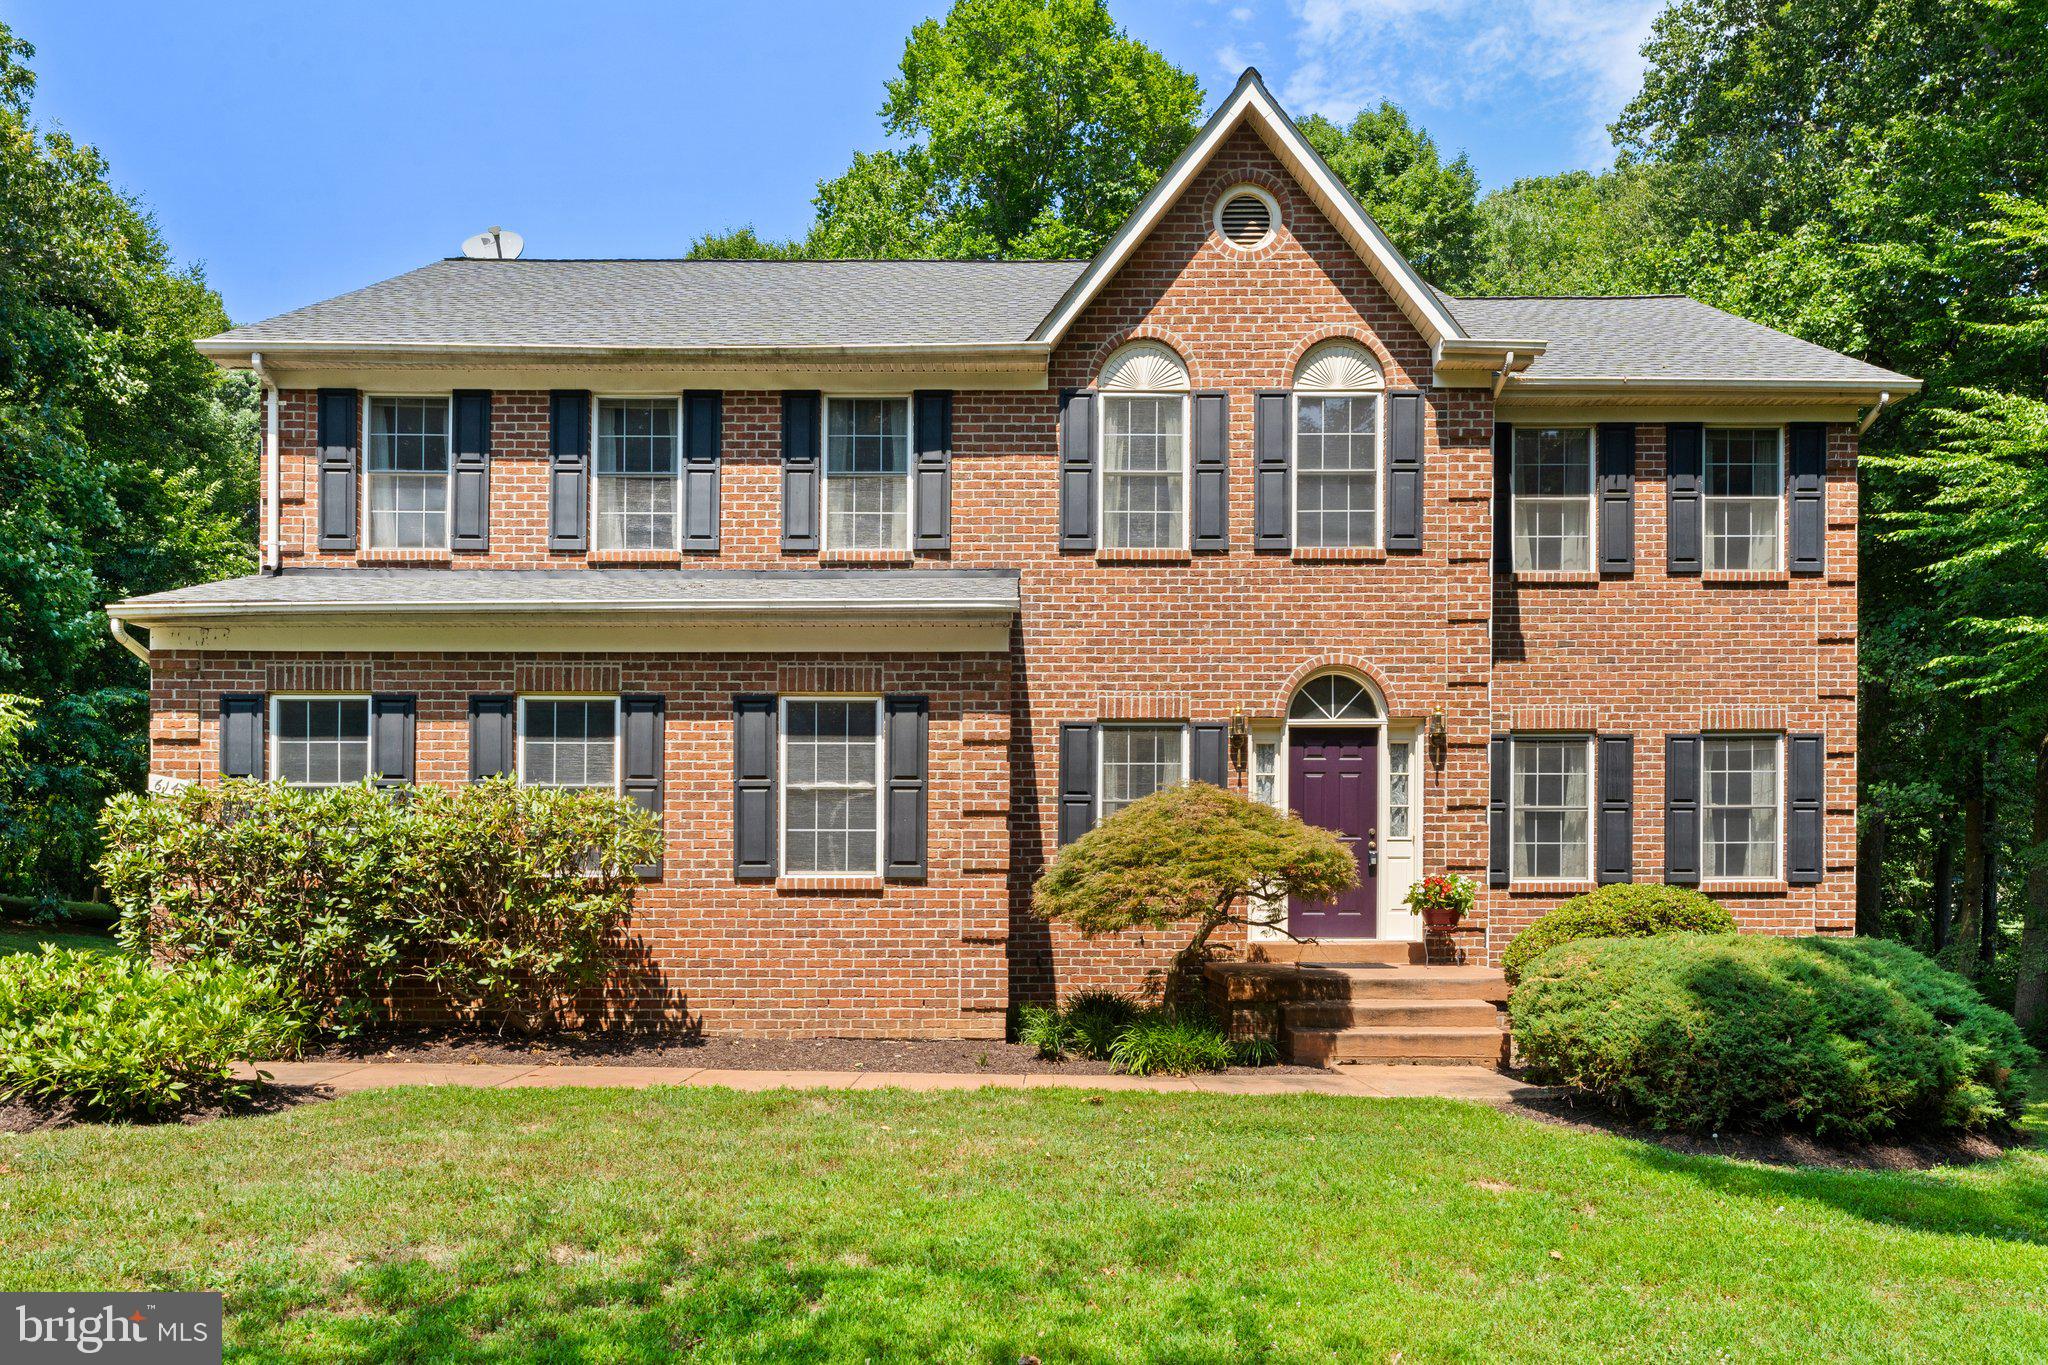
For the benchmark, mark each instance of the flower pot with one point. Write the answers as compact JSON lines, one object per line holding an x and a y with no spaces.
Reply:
{"x":1440,"y":919}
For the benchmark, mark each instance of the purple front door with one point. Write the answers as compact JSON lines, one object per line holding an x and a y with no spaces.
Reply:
{"x":1333,"y":780}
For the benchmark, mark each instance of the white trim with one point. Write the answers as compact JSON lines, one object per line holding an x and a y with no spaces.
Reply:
{"x":1379,"y":466}
{"x":1591,"y":743}
{"x":1777,"y":873}
{"x":782,"y":783}
{"x":1591,"y":497}
{"x":825,"y":545}
{"x":1187,"y":472}
{"x":597,"y":402}
{"x":1258,"y":193}
{"x":1251,"y":100}
{"x":274,"y":738}
{"x":447,"y":401}
{"x":519,"y":733}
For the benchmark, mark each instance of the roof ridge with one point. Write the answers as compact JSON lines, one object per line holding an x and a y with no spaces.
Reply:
{"x":1558,"y":298}
{"x":768,"y":260}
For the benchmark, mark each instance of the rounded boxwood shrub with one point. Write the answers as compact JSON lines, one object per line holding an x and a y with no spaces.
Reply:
{"x":1847,"y":1039}
{"x":113,"y":1036}
{"x":1624,"y":910}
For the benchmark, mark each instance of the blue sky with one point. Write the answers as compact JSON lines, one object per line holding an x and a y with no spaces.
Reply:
{"x":299,"y":151}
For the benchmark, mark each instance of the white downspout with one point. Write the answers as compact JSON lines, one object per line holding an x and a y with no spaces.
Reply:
{"x":273,"y":548}
{"x":1500,"y":376}
{"x":1883,"y":399}
{"x":128,"y":641}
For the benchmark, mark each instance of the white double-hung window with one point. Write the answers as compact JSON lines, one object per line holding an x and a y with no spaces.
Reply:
{"x":1138,"y":760}
{"x":634,"y":506}
{"x":1550,"y":804}
{"x":1337,"y":447}
{"x":1553,"y":499}
{"x":406,"y":466}
{"x":1739,"y":806}
{"x":831,"y":799}
{"x":321,"y":741}
{"x":867,"y":474}
{"x":569,"y":741}
{"x":1144,"y":449}
{"x":1744,"y":497}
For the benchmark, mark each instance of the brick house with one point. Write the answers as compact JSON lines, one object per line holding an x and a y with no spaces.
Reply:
{"x":880,"y":579}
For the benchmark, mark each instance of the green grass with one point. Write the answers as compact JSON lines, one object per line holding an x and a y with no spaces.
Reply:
{"x":599,"y":1225}
{"x":29,"y":938}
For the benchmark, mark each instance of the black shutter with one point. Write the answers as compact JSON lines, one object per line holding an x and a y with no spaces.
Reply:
{"x":337,"y":417}
{"x":469,"y":520}
{"x":1503,"y":498}
{"x":1272,"y":468}
{"x":1209,"y":754}
{"x":1807,"y":484}
{"x":753,"y":788}
{"x":1077,"y":780}
{"x":1617,"y":502}
{"x":801,"y":447}
{"x":1077,"y":469}
{"x":933,"y":471}
{"x":906,"y":744}
{"x":703,"y":444}
{"x":493,"y":741}
{"x":393,"y":729}
{"x":241,"y":735}
{"x":568,"y":470}
{"x":1617,"y":808}
{"x":1684,"y":456}
{"x":1805,"y":804}
{"x":640,"y":760}
{"x":1682,"y":810}
{"x":1500,"y":777}
{"x":1211,"y":501}
{"x":1404,"y":471}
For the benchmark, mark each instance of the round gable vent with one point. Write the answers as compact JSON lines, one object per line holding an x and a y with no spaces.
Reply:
{"x":1245,"y":217}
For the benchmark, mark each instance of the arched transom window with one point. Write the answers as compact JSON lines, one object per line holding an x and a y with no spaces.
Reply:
{"x":1144,"y":448}
{"x":1332,"y":697}
{"x":1337,"y":447}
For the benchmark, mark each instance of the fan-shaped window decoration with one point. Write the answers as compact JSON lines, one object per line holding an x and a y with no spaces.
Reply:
{"x":1338,"y":367}
{"x":1145,"y":367}
{"x":1245,"y":217}
{"x":1332,"y":697}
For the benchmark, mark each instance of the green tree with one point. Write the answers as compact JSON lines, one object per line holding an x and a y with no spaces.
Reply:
{"x":1429,"y":207}
{"x":744,"y":244}
{"x":1027,"y":128}
{"x":126,"y":465}
{"x":1572,"y":233}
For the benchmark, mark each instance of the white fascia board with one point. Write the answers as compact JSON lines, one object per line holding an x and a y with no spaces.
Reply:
{"x":1553,"y":386}
{"x":1251,"y":100}
{"x":235,"y":354}
{"x":147,"y":614}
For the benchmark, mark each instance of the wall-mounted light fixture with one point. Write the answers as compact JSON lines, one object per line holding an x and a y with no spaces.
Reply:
{"x":1439,"y":739}
{"x":1240,"y":737}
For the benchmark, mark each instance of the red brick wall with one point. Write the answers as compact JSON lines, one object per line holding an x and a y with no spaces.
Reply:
{"x":1206,"y":637}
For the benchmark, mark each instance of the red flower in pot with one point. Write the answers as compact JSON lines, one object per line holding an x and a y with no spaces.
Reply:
{"x":1443,"y":900}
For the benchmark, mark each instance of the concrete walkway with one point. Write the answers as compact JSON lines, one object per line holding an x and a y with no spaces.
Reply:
{"x":1451,"y":1082}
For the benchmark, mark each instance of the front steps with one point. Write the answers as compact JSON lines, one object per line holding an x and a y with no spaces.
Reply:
{"x":1365,"y":1002}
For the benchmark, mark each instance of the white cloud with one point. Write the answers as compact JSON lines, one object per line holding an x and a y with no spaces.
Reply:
{"x":1242,"y":14}
{"x":1578,"y":55}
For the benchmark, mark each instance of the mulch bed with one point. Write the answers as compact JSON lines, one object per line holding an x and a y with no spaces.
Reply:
{"x":949,"y":1056}
{"x":19,"y":1117}
{"x":1905,"y":1153}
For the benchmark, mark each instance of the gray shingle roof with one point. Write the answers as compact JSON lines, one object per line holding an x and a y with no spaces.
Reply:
{"x":721,"y":591}
{"x":665,"y":304}
{"x":1665,"y":336}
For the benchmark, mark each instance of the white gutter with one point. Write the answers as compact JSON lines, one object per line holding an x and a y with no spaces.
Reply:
{"x":128,"y":642}
{"x":1877,"y":409}
{"x":273,"y":546}
{"x":147,"y":614}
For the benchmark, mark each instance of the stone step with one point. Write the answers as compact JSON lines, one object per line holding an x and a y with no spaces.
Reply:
{"x":1333,"y":1046}
{"x":1403,"y":1012}
{"x":1390,"y":951}
{"x":1367,"y":981}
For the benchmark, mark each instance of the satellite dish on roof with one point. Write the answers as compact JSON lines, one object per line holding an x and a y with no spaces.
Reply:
{"x":494,"y":244}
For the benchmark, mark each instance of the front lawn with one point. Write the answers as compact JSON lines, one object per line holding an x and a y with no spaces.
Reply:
{"x":30,"y":938}
{"x":594,"y":1224}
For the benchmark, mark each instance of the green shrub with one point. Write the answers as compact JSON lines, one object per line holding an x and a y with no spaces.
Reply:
{"x":492,"y":900}
{"x":1257,"y":1050}
{"x":1848,"y":1039}
{"x":1165,"y":1042}
{"x":113,"y":1036}
{"x":1043,"y":1027}
{"x":1624,"y":910}
{"x":1097,"y":1019}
